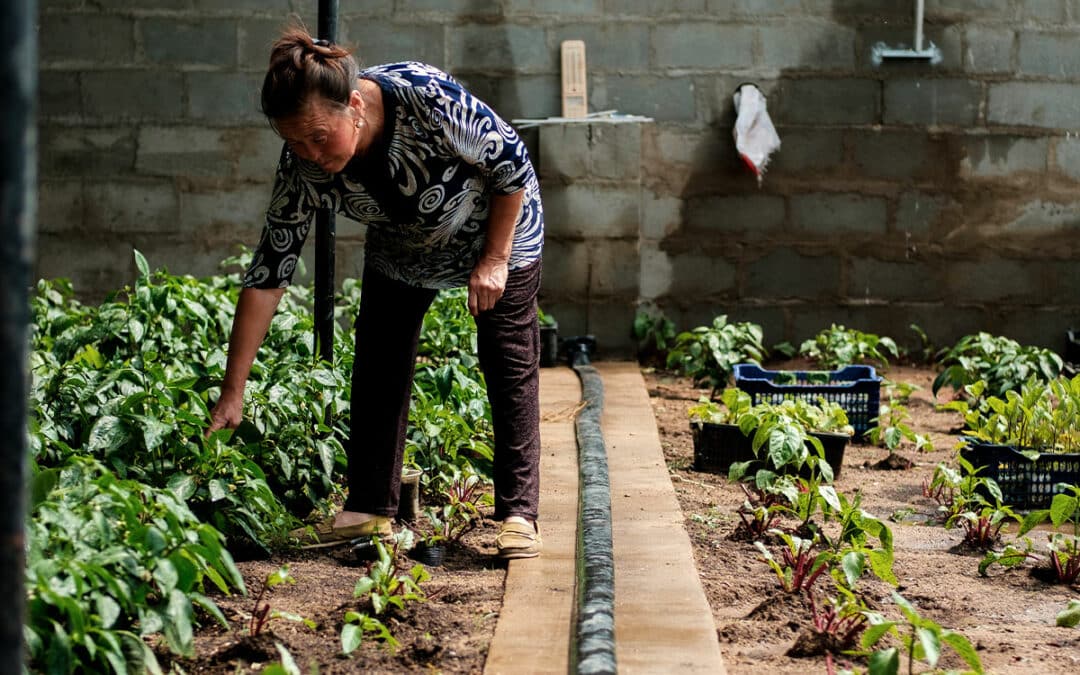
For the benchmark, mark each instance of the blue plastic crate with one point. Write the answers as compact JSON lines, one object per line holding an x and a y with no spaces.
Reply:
{"x":856,"y":389}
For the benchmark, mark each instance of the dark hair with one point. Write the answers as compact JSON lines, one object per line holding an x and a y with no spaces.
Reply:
{"x":302,"y":67}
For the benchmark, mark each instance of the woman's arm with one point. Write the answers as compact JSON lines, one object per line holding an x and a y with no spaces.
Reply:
{"x":488,"y":279}
{"x":254,"y":311}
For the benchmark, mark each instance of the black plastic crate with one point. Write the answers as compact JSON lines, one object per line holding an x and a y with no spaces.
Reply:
{"x":1025,"y":483}
{"x":856,"y":389}
{"x":718,"y":446}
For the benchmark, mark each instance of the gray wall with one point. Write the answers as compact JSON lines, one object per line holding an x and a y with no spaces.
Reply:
{"x":942,"y":195}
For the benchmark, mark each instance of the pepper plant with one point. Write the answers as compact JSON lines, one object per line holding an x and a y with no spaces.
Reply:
{"x":838,"y":346}
{"x":1004,"y":364}
{"x":709,"y":354}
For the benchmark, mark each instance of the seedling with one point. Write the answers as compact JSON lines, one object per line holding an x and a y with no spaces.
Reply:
{"x":919,"y":637}
{"x":892,"y":427}
{"x":800,"y":564}
{"x":262,"y":615}
{"x":839,"y":346}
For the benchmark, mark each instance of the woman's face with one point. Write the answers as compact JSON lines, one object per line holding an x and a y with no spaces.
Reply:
{"x":323,"y":133}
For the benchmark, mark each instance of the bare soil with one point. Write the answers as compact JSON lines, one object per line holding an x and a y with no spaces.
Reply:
{"x":1008,"y":616}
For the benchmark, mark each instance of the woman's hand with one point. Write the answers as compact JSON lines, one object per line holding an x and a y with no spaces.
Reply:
{"x":486,"y":284}
{"x":226,"y":414}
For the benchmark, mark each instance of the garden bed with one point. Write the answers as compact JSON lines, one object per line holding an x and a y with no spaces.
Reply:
{"x":1009,"y":617}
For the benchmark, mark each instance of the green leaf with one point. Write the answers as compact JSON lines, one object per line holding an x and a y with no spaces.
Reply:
{"x":1070,"y":616}
{"x":287,"y":662}
{"x":107,"y":609}
{"x":1062,"y":508}
{"x":140,"y":262}
{"x":853,"y":564}
{"x":885,"y":662}
{"x":108,"y":433}
{"x":351,"y":637}
{"x":183,"y":486}
{"x":931,"y":643}
{"x":1031,"y":520}
{"x":218,"y":490}
{"x":178,"y":629}
{"x":963,"y":647}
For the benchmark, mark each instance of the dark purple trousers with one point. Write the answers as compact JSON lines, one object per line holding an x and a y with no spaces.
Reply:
{"x":387,"y":337}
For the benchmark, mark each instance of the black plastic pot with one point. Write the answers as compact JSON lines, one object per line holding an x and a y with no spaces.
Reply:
{"x":549,"y":345}
{"x":1072,"y":347}
{"x":432,"y":555}
{"x":718,"y":446}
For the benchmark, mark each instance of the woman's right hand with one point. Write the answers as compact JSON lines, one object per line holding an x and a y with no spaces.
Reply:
{"x":227,"y":414}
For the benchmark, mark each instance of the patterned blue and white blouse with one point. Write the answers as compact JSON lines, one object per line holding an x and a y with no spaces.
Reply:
{"x":424,"y":196}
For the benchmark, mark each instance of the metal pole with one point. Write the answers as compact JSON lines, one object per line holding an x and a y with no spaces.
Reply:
{"x":918,"y":25}
{"x":18,"y":148}
{"x":325,"y":228}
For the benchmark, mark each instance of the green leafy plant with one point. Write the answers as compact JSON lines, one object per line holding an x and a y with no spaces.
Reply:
{"x":1040,"y":417}
{"x":386,"y":586}
{"x":838,"y":346}
{"x":892,"y":427}
{"x":1070,"y":616}
{"x":545,"y":319}
{"x":1064,"y":549}
{"x":1004,"y":364}
{"x":655,"y":334}
{"x":464,"y":495}
{"x":262,"y":614}
{"x":800,"y":564}
{"x":920,"y":638}
{"x":709,"y":354}
{"x":110,"y":561}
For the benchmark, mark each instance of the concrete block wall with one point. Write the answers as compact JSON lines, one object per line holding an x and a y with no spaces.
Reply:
{"x":944,"y":195}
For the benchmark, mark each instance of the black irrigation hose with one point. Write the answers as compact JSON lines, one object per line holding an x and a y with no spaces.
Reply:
{"x":594,"y":643}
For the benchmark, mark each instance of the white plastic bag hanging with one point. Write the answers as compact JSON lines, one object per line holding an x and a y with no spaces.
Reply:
{"x":755,"y":135}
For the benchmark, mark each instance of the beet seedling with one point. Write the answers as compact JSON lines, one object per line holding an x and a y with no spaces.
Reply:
{"x":262,"y":615}
{"x":800,"y":565}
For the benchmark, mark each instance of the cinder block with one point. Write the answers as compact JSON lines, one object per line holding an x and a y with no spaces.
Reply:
{"x":189,"y":42}
{"x":245,"y":7}
{"x":615,"y":151}
{"x":1001,"y":156}
{"x":750,"y":216}
{"x":1045,"y":217}
{"x":183,"y":151}
{"x":655,"y":272}
{"x":58,"y":95}
{"x":131,"y":207}
{"x":444,"y":8}
{"x":109,"y":95}
{"x":829,"y":46}
{"x":80,"y":151}
{"x":653,"y":8}
{"x":611,"y":46}
{"x":383,"y":41}
{"x":892,"y":154}
{"x":1034,"y":104}
{"x":703,"y":45}
{"x":78,"y":38}
{"x":661,"y":215}
{"x":614,"y":269}
{"x":60,"y":206}
{"x":500,"y":48}
{"x":235,"y":212}
{"x":839,"y":214}
{"x":666,"y":99}
{"x":811,"y":152}
{"x":1067,"y":155}
{"x":563,"y":152}
{"x":256,"y":37}
{"x":784,"y":273}
{"x":519,"y":97}
{"x":1049,"y":54}
{"x":817,"y":101}
{"x":262,"y":150}
{"x":90,"y":264}
{"x":564,"y":8}
{"x":917,"y":212}
{"x":873,"y":279}
{"x":926,"y":102}
{"x":701,"y":274}
{"x":969,"y":9}
{"x":224,"y":97}
{"x":988,"y":49}
{"x":611,"y":322}
{"x":992,"y":279}
{"x":591,"y":211}
{"x":566,"y":268}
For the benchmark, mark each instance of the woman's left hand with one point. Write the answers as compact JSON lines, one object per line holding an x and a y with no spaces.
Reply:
{"x":486,"y":284}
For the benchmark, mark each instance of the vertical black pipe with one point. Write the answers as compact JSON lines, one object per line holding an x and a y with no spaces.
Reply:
{"x":18,"y":168}
{"x":325,"y":228}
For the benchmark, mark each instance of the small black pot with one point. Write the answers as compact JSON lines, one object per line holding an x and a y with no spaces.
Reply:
{"x":432,"y":555}
{"x":549,"y":345}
